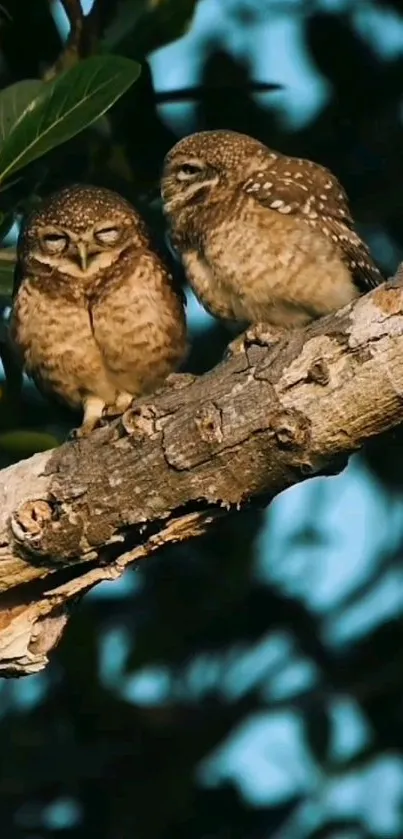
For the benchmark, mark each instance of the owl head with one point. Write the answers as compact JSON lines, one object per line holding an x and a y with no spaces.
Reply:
{"x":201,"y":167}
{"x":80,"y":230}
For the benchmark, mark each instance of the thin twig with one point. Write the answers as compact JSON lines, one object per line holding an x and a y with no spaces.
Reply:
{"x":199,"y":92}
{"x":72,"y":51}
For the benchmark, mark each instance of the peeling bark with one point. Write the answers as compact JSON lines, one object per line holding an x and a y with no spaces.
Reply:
{"x":262,"y":420}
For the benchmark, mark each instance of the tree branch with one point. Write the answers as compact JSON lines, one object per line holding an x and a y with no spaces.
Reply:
{"x":81,"y":39}
{"x":259,"y":422}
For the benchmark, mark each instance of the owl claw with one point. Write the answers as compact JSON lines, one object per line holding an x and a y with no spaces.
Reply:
{"x":262,"y":334}
{"x":83,"y":430}
{"x":122,"y":402}
{"x":235,"y":347}
{"x":110,"y":412}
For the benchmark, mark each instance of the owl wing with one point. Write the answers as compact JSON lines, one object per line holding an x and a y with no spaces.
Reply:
{"x":300,"y":187}
{"x":162,"y":247}
{"x":15,"y":351}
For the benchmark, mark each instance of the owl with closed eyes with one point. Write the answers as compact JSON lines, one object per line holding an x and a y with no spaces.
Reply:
{"x":96,"y":318}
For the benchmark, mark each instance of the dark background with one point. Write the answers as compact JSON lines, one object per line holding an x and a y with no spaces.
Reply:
{"x":247,"y":685}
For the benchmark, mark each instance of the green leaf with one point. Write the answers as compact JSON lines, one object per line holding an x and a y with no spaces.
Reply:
{"x":66,"y":106}
{"x":14,"y":101}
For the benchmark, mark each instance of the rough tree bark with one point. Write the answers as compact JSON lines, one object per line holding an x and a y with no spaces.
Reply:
{"x":262,"y":420}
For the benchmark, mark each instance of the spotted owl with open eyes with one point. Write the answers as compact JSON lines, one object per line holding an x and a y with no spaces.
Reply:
{"x":96,"y":318}
{"x":264,"y":238}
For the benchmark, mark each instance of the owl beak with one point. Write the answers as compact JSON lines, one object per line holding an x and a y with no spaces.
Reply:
{"x":83,"y":255}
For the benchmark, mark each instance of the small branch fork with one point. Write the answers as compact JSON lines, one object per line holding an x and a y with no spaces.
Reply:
{"x":278,"y":410}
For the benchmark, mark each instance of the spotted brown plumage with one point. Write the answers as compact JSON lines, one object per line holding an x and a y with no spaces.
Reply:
{"x":96,"y":318}
{"x":263,"y":237}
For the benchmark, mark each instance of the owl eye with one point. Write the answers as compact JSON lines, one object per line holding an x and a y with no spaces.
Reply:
{"x":54,"y":242}
{"x":188,"y":171}
{"x":108,"y":235}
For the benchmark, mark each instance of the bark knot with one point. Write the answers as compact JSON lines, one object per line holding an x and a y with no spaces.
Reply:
{"x":46,"y":530}
{"x":208,"y":421}
{"x":319,"y":372}
{"x":291,"y":428}
{"x":139,"y":422}
{"x":29,"y":522}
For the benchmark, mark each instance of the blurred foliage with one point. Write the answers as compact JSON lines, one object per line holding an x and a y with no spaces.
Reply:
{"x":36,"y":117}
{"x":80,"y":756}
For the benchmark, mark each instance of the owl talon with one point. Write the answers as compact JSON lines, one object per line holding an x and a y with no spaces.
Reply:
{"x":88,"y":426}
{"x":83,"y":430}
{"x":110,"y":412}
{"x":264,"y":334}
{"x":93,"y":407}
{"x":122,"y":402}
{"x":236,"y":347}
